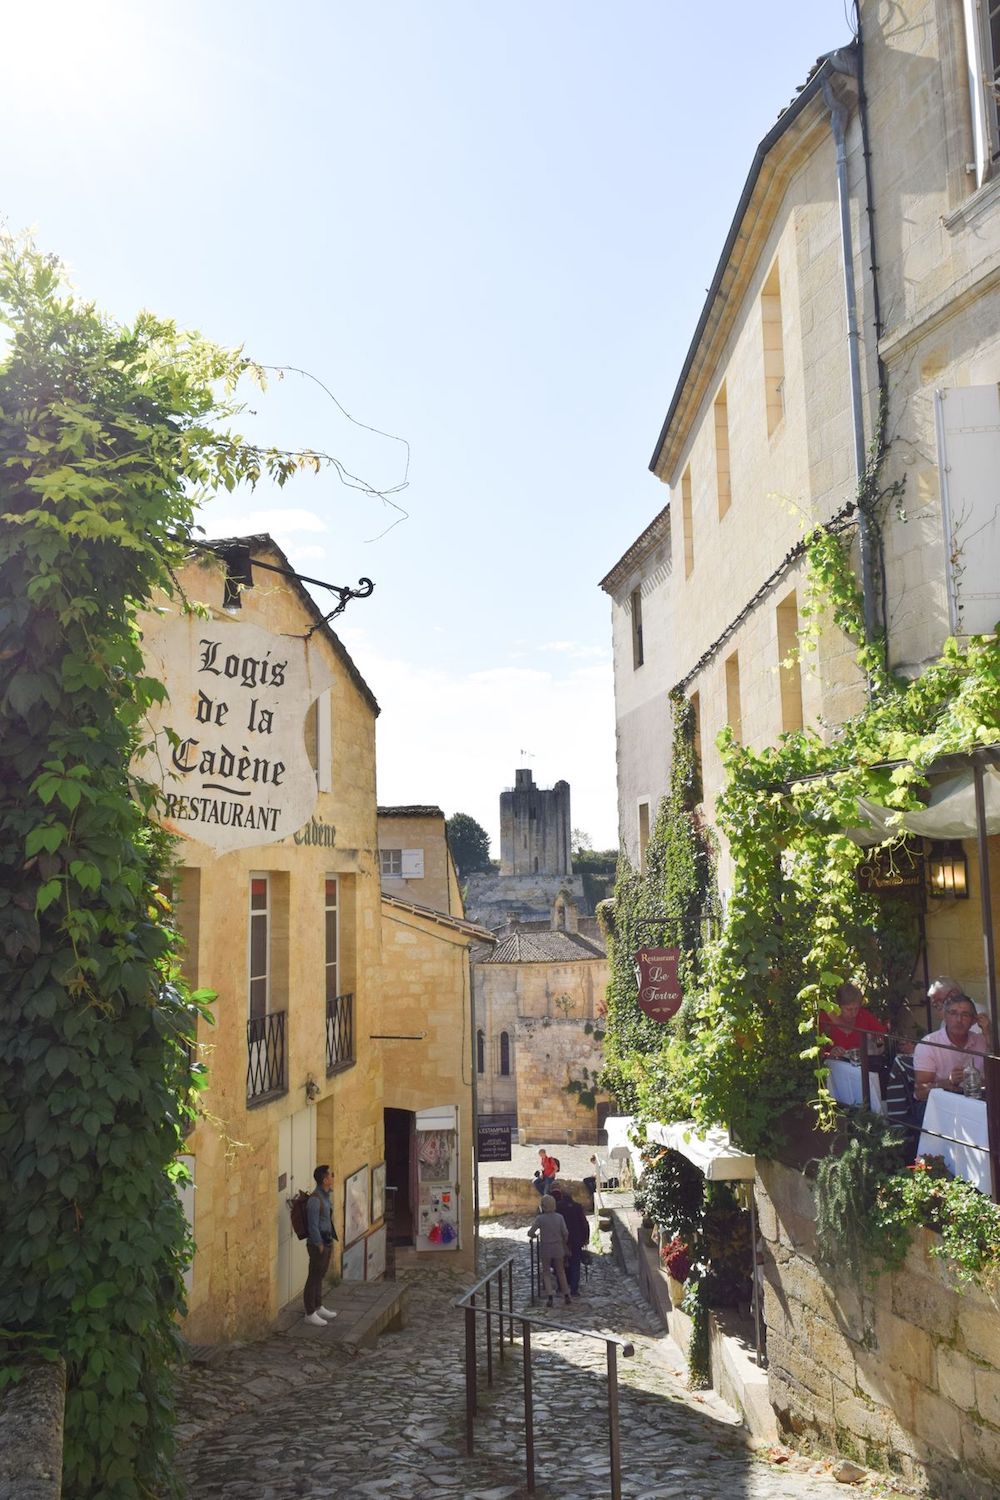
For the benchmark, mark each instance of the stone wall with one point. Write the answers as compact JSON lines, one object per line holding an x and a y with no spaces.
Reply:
{"x":903,"y":1376}
{"x":550,"y":1053}
{"x":31,"y":1434}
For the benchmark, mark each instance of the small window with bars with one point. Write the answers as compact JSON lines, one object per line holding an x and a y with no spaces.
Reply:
{"x":332,"y":936}
{"x":259,"y":995}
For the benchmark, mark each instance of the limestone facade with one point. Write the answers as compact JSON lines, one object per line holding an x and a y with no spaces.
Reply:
{"x":428,"y":1049}
{"x":760,"y":443}
{"x":415,"y":860}
{"x":290,"y":936}
{"x":534,"y":828}
{"x":539,"y":999}
{"x":902,"y":1375}
{"x":759,"y":440}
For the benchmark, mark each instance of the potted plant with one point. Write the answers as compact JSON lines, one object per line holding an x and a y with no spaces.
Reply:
{"x":676,"y":1258}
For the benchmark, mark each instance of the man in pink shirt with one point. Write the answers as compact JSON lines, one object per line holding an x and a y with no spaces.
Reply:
{"x":935,"y":1063}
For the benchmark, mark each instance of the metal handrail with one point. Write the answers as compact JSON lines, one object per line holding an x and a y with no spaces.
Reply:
{"x":467,"y":1302}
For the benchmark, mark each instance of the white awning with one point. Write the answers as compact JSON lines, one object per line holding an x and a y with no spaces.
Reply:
{"x":950,"y":813}
{"x":711,"y":1151}
{"x":618,"y":1127}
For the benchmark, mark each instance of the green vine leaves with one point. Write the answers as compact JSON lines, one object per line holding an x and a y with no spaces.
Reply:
{"x":108,"y":436}
{"x":745,"y":1048}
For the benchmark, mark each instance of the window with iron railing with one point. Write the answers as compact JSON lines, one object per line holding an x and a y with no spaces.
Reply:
{"x":266,"y":1056}
{"x":339,"y":1033}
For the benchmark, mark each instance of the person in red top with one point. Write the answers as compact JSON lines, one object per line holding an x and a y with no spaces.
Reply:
{"x":843,"y":1032}
{"x":549,"y":1168}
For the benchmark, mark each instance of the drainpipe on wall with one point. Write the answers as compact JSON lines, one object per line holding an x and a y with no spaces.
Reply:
{"x":845,"y":62}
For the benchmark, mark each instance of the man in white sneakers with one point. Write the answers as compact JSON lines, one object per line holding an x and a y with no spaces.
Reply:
{"x":319,"y":1245}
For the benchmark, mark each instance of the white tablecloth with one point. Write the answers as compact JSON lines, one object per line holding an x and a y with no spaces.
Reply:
{"x":845,"y":1084}
{"x":965,"y":1120}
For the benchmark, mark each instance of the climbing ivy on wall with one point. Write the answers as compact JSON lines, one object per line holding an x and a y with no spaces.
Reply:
{"x":672,"y":904}
{"x":108,"y":436}
{"x":797,"y":923}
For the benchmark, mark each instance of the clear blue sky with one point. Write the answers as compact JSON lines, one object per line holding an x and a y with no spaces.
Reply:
{"x":488,"y":229}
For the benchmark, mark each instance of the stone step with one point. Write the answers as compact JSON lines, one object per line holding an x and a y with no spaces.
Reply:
{"x":364,"y":1311}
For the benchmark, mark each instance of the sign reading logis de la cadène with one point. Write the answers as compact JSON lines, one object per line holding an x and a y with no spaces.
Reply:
{"x":228,"y":748}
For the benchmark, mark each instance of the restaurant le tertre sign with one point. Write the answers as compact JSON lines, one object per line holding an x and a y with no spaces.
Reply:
{"x":660,"y":992}
{"x":228,"y":754}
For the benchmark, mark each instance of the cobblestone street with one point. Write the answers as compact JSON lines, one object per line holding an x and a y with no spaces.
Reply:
{"x":286,"y":1417}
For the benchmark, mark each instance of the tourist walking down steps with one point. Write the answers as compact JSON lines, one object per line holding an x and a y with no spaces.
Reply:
{"x":553,"y":1245}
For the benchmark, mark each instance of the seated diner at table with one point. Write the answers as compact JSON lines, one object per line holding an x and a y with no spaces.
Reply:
{"x":937,"y":1059}
{"x":843,"y":1031}
{"x":943,"y":989}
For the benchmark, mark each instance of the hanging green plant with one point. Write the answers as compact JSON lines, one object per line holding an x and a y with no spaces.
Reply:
{"x":699,"y":1355}
{"x":848,"y":1185}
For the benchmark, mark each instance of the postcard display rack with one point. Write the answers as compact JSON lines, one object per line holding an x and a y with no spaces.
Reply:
{"x":437,"y":1176}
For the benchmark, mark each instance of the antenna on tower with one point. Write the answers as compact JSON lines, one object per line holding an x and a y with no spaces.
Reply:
{"x":529,"y":753}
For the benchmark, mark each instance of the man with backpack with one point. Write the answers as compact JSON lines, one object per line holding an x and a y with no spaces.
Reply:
{"x":319,"y":1245}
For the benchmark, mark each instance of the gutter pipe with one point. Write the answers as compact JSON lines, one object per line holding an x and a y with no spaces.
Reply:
{"x":845,"y":62}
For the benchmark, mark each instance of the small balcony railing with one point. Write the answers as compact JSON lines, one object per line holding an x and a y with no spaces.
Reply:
{"x":339,"y":1033}
{"x":266,"y":1056}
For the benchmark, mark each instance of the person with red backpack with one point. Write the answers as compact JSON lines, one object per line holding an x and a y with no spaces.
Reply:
{"x":549,"y":1169}
{"x":319,"y":1244}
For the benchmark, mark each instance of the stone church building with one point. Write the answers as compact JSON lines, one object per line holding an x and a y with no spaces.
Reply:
{"x":538,"y":995}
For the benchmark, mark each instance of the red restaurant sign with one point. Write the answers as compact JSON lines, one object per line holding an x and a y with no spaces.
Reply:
{"x":660,"y":993}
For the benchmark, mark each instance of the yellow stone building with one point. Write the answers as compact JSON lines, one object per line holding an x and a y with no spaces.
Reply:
{"x":415,"y":860}
{"x":311,"y":969}
{"x":855,"y":305}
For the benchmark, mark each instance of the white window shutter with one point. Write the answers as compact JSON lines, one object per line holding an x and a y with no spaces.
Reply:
{"x":968,"y":422}
{"x":413,"y":864}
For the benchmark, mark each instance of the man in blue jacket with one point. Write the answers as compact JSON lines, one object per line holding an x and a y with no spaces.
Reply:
{"x":319,"y":1245}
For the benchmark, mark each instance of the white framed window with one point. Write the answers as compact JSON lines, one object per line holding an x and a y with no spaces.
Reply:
{"x":402,"y":864}
{"x":331,"y":935}
{"x":259,"y":947}
{"x":982,"y":42}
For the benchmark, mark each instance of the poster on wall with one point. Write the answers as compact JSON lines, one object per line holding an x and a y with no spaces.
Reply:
{"x":226,"y":748}
{"x":375,"y":1261}
{"x":378,"y":1192}
{"x":352,"y":1265}
{"x":356,"y":1188}
{"x":437,"y":1226}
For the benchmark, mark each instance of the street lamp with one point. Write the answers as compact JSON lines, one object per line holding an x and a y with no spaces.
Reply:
{"x":948,"y":869}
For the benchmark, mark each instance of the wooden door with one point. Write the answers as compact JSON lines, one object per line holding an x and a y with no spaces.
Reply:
{"x":296,"y":1160}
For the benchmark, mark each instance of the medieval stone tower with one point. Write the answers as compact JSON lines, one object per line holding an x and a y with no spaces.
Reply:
{"x":534,"y":828}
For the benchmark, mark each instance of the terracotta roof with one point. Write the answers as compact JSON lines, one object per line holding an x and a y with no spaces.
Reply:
{"x":656,"y":532}
{"x":459,"y":924}
{"x":544,"y":948}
